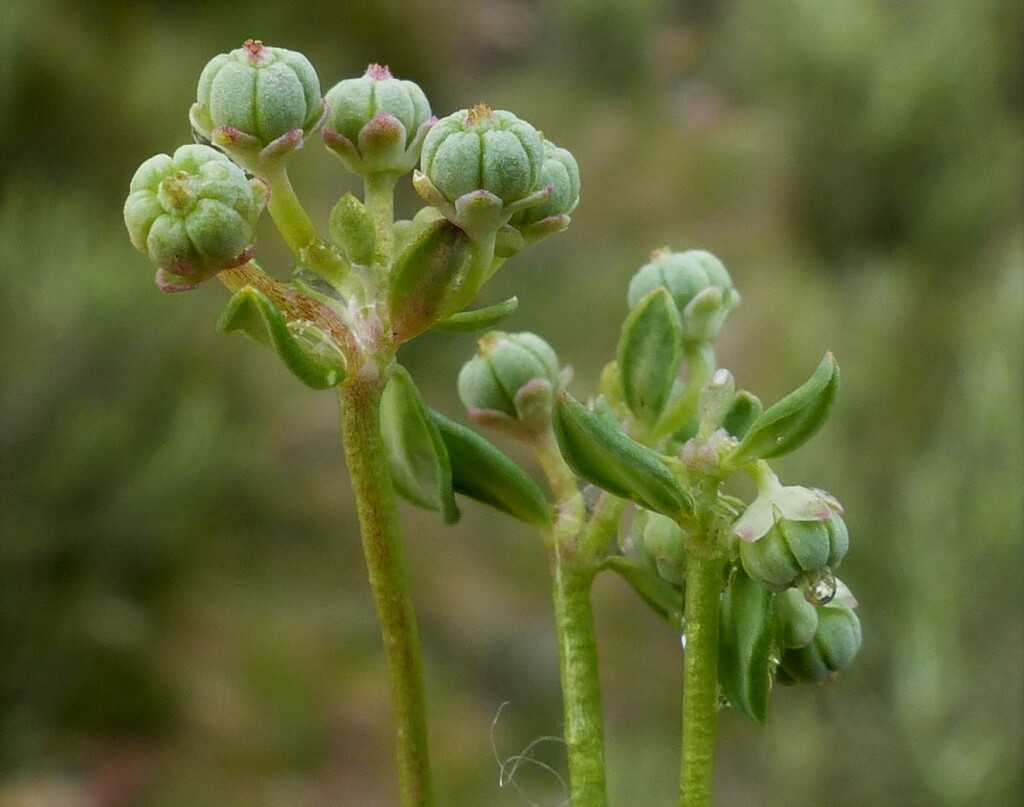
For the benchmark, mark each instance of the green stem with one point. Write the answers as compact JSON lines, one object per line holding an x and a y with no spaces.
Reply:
{"x":379,"y":192}
{"x":572,"y":574}
{"x":700,"y":680}
{"x":581,"y":686}
{"x":481,"y":264}
{"x":375,"y":504}
{"x":286,"y":210}
{"x":701,"y":361}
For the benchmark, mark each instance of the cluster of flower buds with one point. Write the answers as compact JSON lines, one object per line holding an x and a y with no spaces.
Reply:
{"x":491,"y":182}
{"x":816,"y":641}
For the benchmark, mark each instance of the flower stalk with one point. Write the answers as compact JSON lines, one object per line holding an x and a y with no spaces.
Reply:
{"x":374,"y":496}
{"x":700,"y":681}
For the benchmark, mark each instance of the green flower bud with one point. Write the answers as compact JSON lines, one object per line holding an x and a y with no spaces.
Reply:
{"x":257,"y":102}
{"x":816,"y":648}
{"x":376,"y":123}
{"x":660,"y":539}
{"x":699,"y":285}
{"x":796,"y":619}
{"x":510,"y":383}
{"x":193,"y":215}
{"x":791,"y":535}
{"x":480,"y":167}
{"x":561,"y":173}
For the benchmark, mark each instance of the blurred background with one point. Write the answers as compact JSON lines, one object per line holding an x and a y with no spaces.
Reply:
{"x":184,"y":616}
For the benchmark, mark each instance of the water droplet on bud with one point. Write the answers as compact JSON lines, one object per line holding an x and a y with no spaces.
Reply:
{"x":820,"y":587}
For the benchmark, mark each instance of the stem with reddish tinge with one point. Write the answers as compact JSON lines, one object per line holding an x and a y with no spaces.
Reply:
{"x":365,"y":455}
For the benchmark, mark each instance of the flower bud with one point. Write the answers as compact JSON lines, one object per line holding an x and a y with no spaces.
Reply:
{"x":818,"y":641}
{"x":257,"y":98}
{"x":193,"y":215}
{"x":660,"y":539}
{"x":480,"y":167}
{"x":796,"y":619}
{"x":376,"y":123}
{"x":561,"y":173}
{"x":790,"y":533}
{"x":699,"y":285}
{"x":510,"y":382}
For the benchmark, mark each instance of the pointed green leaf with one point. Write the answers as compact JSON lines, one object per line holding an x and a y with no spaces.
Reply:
{"x":745,"y":639}
{"x":788,"y":424}
{"x":478,"y":319}
{"x":603,"y":455}
{"x":744,"y":411}
{"x":420,"y":468}
{"x":352,"y":230}
{"x":482,"y":472}
{"x":424,"y":279}
{"x":650,"y":353}
{"x":665,"y":599}
{"x":304,"y":348}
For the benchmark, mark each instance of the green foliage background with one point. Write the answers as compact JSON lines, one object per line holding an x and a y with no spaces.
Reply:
{"x":184,"y":618}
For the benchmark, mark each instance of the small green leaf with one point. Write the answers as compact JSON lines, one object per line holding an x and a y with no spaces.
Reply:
{"x":745,"y":639}
{"x":788,"y":424}
{"x":744,"y":411}
{"x":423,"y":281}
{"x":352,"y":230}
{"x":661,"y":596}
{"x":603,"y":455}
{"x":478,"y":319}
{"x":650,"y":353}
{"x":482,"y":472}
{"x":420,"y":467}
{"x":305,"y":349}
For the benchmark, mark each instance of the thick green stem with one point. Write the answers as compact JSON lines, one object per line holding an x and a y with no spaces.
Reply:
{"x":289,"y":215}
{"x":581,"y":687}
{"x":379,"y":192}
{"x":382,"y":547}
{"x":700,"y":680}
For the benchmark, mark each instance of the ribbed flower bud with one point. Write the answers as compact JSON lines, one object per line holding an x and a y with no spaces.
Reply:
{"x":510,"y":382}
{"x":193,"y":215}
{"x":480,"y":167}
{"x":791,"y":535}
{"x":257,"y":99}
{"x":698,"y":283}
{"x":561,"y":173}
{"x":376,"y":123}
{"x":817,"y":641}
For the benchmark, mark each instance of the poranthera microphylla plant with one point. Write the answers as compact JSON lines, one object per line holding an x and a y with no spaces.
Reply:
{"x":749,"y":585}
